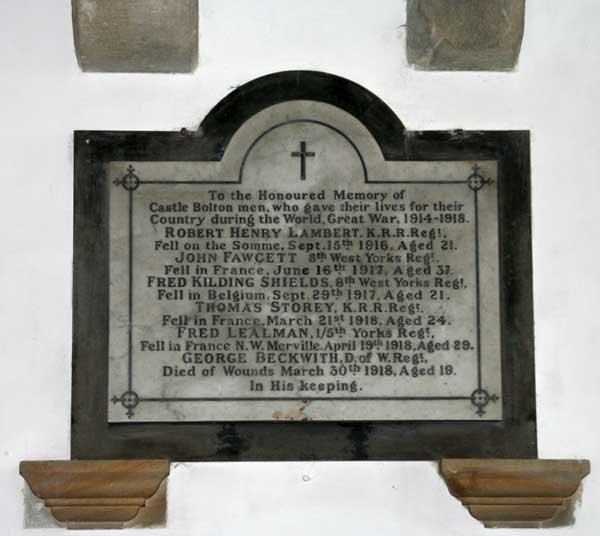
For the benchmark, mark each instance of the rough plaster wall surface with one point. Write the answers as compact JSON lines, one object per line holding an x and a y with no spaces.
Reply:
{"x":44,"y":97}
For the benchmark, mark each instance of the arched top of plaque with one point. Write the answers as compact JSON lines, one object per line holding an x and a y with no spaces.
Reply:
{"x":248,"y":100}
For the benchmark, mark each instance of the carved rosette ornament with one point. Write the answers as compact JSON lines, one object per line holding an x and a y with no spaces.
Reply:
{"x":100,"y":494}
{"x":516,"y":493}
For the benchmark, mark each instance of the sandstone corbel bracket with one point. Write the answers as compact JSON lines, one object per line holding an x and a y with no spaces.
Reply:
{"x":100,"y":494}
{"x":136,"y":36}
{"x":464,"y":35}
{"x":516,"y":493}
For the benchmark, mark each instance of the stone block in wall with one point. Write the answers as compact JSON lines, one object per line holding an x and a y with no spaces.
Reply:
{"x":146,"y":36}
{"x":464,"y":35}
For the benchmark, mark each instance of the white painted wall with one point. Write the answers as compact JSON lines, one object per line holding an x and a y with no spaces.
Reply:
{"x":44,"y":98}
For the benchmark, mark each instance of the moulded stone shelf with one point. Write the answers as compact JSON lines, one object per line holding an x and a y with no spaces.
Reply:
{"x":516,"y":493}
{"x":100,"y":494}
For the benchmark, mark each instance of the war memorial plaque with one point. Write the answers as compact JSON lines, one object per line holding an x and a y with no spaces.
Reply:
{"x":304,"y":258}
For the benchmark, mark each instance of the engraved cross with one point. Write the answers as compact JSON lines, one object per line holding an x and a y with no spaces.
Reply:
{"x":303,"y":155}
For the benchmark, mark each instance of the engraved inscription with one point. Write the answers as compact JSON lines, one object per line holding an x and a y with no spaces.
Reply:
{"x":330,"y":295}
